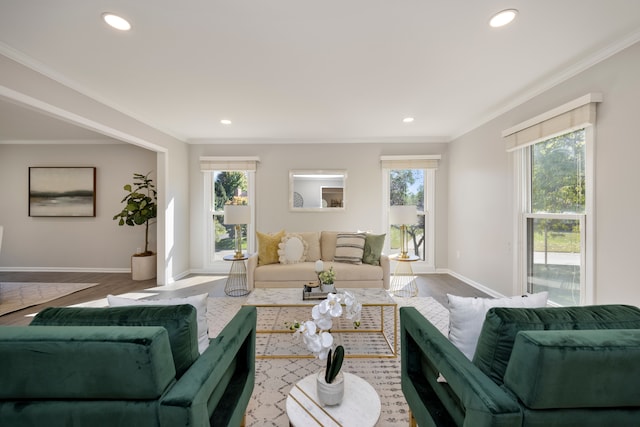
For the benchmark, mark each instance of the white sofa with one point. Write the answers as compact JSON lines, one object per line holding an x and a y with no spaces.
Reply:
{"x":321,"y":246}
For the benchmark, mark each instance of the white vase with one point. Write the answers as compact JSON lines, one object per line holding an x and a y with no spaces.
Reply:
{"x":330,"y":394}
{"x":143,"y":267}
{"x":327,"y":287}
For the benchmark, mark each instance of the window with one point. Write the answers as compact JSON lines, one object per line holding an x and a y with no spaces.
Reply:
{"x":555,"y":220}
{"x":554,"y":190}
{"x":226,"y":181}
{"x":410,"y":180}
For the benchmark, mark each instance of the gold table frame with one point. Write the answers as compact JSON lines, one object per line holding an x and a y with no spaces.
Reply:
{"x":282,"y":298}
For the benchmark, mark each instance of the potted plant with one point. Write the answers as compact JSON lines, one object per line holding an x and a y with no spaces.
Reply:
{"x":330,"y":383}
{"x":140,"y":209}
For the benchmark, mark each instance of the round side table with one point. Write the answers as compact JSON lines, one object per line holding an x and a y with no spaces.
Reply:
{"x":360,"y":406}
{"x":403,"y":283}
{"x":236,"y":285}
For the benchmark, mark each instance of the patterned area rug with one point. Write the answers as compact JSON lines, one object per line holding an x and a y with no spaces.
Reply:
{"x":15,"y":296}
{"x":275,"y":377}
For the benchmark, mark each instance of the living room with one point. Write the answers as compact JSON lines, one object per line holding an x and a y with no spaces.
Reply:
{"x":474,"y":218}
{"x":476,"y":232}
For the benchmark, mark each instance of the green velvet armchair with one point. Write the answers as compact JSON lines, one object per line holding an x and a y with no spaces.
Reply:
{"x":125,"y":366}
{"x":573,"y":366}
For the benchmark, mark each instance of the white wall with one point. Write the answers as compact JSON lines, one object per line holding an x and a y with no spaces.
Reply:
{"x":480,"y":192}
{"x":32,"y":89}
{"x":91,"y":243}
{"x":363,"y":188}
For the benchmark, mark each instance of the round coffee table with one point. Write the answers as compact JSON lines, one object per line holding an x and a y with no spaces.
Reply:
{"x":360,"y":406}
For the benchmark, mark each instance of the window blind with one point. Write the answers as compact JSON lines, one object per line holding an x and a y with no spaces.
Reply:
{"x":208,"y":164}
{"x":409,"y":162}
{"x":574,"y":115}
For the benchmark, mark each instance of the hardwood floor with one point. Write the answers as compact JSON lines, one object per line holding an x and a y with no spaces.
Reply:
{"x":429,"y":285}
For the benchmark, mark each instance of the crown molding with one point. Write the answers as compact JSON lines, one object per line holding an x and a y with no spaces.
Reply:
{"x":555,"y":80}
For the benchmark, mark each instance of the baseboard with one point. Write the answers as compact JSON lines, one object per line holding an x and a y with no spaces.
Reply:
{"x":476,"y":285}
{"x":65,"y":270}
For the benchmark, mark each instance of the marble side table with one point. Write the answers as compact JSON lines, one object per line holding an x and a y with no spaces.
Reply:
{"x":360,"y":406}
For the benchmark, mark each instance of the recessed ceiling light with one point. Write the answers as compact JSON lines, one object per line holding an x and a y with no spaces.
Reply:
{"x":407,"y":120}
{"x":502,"y":18}
{"x":115,"y":21}
{"x":225,"y":121}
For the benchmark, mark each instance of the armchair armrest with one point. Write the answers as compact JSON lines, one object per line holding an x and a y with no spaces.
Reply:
{"x":219,"y":383}
{"x":252,"y":263}
{"x":467,"y":398}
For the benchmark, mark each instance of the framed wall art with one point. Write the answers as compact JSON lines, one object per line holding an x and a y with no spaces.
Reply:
{"x":62,"y":191}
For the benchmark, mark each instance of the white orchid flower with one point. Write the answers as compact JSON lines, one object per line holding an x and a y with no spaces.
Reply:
{"x":307,"y":328}
{"x":331,"y":305}
{"x":315,"y":333}
{"x":322,"y":320}
{"x":327,"y":343}
{"x":354,"y":311}
{"x":348,"y":298}
{"x":319,"y":344}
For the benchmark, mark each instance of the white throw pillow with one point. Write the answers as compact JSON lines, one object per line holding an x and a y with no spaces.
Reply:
{"x":292,"y":249}
{"x":350,"y":247}
{"x":198,"y":301}
{"x":466,"y":316}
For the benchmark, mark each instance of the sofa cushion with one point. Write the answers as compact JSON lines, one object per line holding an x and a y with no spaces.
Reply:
{"x":197,"y":301}
{"x":305,"y":272}
{"x":268,"y":247}
{"x":502,"y":324}
{"x":313,"y":244}
{"x":292,"y":249}
{"x":328,"y":244}
{"x":84,"y":362}
{"x":179,"y":321}
{"x":349,"y":248}
{"x":349,"y":272}
{"x":575,"y":369}
{"x":302,"y":272}
{"x":466,"y":315}
{"x":373,"y":245}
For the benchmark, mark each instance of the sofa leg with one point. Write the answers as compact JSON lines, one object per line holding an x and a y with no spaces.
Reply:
{"x":412,"y":420}
{"x":244,"y":421}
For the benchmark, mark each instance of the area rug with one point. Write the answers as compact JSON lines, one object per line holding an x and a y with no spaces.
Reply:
{"x":275,"y":377}
{"x":16,"y":296}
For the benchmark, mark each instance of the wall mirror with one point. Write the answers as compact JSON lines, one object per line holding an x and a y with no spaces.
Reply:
{"x":317,"y":190}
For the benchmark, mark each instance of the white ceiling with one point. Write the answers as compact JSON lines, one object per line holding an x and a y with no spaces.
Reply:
{"x":306,"y":70}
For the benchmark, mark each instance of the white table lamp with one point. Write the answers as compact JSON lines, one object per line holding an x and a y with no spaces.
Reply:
{"x":237,"y":215}
{"x":403,"y":216}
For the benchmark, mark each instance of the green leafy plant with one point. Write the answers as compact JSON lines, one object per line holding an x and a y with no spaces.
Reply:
{"x":140,"y":206}
{"x":334,"y":363}
{"x":327,"y":276}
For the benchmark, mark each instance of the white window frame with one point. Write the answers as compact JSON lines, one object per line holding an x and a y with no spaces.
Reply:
{"x":428,"y":264}
{"x":522,"y":191}
{"x":228,"y":164}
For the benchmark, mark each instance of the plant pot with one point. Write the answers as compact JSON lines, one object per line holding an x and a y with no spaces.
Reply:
{"x":143,"y":267}
{"x":330,"y":394}
{"x":327,"y":287}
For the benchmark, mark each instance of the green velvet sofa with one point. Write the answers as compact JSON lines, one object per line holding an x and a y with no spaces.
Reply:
{"x":572,"y":366}
{"x":125,"y":366}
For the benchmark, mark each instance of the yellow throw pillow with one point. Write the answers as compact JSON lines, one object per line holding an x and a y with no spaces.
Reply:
{"x":268,"y":247}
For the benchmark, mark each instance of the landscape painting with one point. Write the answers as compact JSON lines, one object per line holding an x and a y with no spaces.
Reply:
{"x":68,"y":191}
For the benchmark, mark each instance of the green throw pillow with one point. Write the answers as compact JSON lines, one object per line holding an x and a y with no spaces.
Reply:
{"x":373,"y":245}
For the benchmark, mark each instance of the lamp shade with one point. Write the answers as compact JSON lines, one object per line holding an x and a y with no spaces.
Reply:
{"x":403,"y":215}
{"x":237,"y":214}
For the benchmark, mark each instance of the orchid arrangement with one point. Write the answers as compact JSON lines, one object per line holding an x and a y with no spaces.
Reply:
{"x":316,"y":333}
